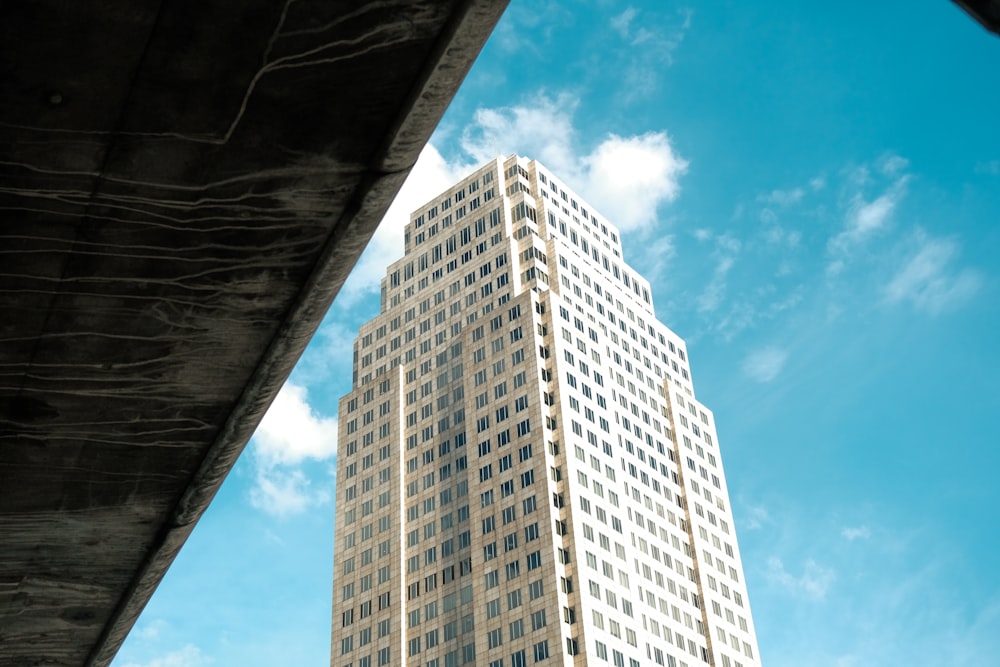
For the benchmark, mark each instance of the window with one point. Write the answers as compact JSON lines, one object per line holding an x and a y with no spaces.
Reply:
{"x":602,"y":650}
{"x":541,"y":650}
{"x":493,"y":608}
{"x":509,"y":514}
{"x":538,"y":620}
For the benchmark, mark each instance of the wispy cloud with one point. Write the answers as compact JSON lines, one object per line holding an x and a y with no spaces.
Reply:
{"x":710,"y":299}
{"x":727,"y":248}
{"x":649,"y":41}
{"x":852,"y":533}
{"x":541,"y":128}
{"x":776,"y":235}
{"x":988,"y":167}
{"x":782,"y":197}
{"x":150,"y":630}
{"x":813,"y":582}
{"x":866,"y":218}
{"x":187,"y":656}
{"x":757,"y":517}
{"x":765,"y":364}
{"x":654,"y":257}
{"x":283,"y":492}
{"x":749,"y":311}
{"x":290,"y":433}
{"x":330,"y":352}
{"x":891,"y":164}
{"x":530,"y":28}
{"x":622,"y":23}
{"x":929,"y":279}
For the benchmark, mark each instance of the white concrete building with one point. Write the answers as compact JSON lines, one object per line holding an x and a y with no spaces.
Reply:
{"x":525,"y":475}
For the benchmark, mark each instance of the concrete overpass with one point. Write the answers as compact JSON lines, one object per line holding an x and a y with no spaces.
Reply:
{"x":184,"y":186}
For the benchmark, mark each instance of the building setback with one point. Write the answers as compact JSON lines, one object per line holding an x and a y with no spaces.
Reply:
{"x":524,"y":473}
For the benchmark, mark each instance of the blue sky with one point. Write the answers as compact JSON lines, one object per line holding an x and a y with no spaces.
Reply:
{"x":814,"y":191}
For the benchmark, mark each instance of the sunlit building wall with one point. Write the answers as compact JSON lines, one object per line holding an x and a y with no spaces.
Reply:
{"x":525,"y":475}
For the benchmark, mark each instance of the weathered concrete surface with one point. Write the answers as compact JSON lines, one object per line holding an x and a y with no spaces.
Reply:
{"x":184,"y":186}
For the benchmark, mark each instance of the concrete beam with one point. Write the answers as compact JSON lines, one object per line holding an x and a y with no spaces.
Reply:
{"x":184,"y":187}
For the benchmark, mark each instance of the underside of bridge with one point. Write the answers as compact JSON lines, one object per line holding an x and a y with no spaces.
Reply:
{"x":184,"y":187}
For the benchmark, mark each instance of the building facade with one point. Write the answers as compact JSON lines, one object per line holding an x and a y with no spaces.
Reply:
{"x":525,"y":475}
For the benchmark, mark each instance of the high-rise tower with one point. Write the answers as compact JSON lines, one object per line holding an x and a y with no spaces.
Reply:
{"x":525,"y":475}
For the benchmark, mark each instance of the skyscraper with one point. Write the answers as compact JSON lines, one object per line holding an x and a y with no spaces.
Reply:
{"x":525,"y":475}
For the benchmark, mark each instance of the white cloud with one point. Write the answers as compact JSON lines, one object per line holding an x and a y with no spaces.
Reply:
{"x":929,"y":280}
{"x":629,"y":178}
{"x":765,"y":364}
{"x":188,"y":656}
{"x":290,"y":433}
{"x":626,"y":178}
{"x":814,"y":582}
{"x":852,"y":533}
